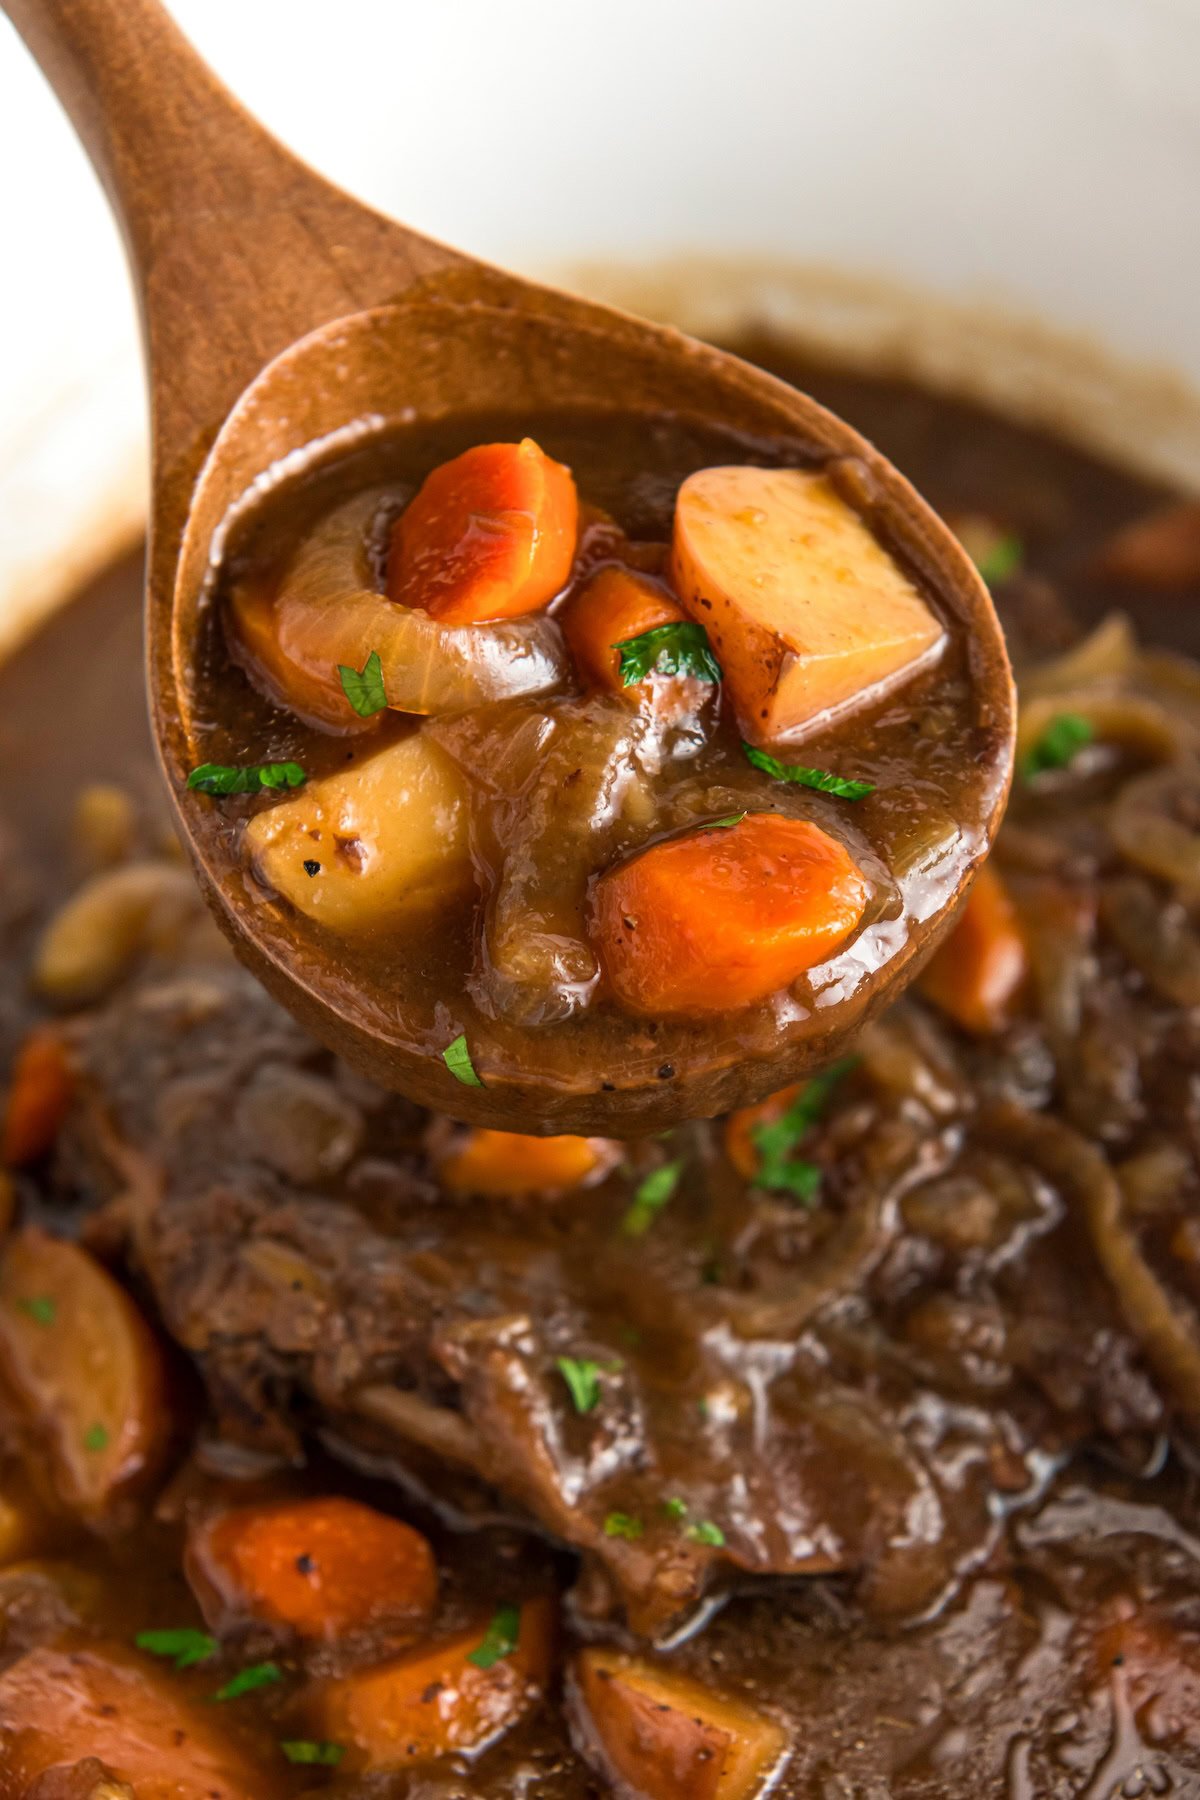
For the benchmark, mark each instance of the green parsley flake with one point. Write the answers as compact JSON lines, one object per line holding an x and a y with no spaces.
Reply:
{"x":1064,"y":737}
{"x":820,"y":779}
{"x":40,"y":1307}
{"x":220,"y":779}
{"x":780,"y":1170}
{"x":499,"y":1640}
{"x":457,"y":1058}
{"x":95,"y":1438}
{"x":681,"y":648}
{"x":1000,"y":558}
{"x":675,"y":1508}
{"x":705,"y":1532}
{"x":582,"y":1378}
{"x":184,"y":1646}
{"x":303,"y":1750}
{"x":723,"y":824}
{"x":259,"y":1675}
{"x":623,"y":1525}
{"x":364,"y":687}
{"x":650,"y":1196}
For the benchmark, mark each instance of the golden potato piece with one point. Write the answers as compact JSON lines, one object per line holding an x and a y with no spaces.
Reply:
{"x":449,"y":1698}
{"x":662,"y":1736}
{"x":806,"y":611}
{"x":84,"y":1372}
{"x":376,"y":839}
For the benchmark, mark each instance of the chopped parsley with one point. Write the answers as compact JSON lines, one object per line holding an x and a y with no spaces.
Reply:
{"x":364,"y":687}
{"x":821,"y":779}
{"x":999,"y":558}
{"x":303,"y":1750}
{"x":623,"y":1525}
{"x":95,"y":1438}
{"x":705,"y":1532}
{"x":499,"y":1640}
{"x":725,"y":823}
{"x":185,"y":1646}
{"x":41,"y":1308}
{"x":220,"y":779}
{"x":650,"y":1196}
{"x":259,"y":1675}
{"x":1064,"y":737}
{"x":457,"y":1059}
{"x":681,"y":648}
{"x":780,"y":1170}
{"x":583,"y":1380}
{"x":675,"y":1508}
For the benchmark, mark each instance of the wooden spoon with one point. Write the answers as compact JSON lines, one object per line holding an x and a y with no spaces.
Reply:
{"x":278,"y":311}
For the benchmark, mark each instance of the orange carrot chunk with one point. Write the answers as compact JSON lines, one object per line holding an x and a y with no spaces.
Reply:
{"x":38,"y":1098}
{"x":719,"y":919}
{"x":615,"y":605}
{"x":58,"y":1706}
{"x":454,"y":1697}
{"x":489,"y":535}
{"x":740,"y":1127}
{"x":664,"y":1737}
{"x":322,"y":1568}
{"x":498,"y":1164}
{"x":976,"y":976}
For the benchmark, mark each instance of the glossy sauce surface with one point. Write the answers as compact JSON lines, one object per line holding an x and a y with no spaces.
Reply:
{"x":911,"y":1475}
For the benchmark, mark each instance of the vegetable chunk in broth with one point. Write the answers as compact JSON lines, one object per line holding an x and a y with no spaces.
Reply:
{"x":840,"y":1446}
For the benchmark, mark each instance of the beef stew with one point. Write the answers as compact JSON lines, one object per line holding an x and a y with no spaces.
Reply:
{"x":844,"y":1446}
{"x":516,"y":742}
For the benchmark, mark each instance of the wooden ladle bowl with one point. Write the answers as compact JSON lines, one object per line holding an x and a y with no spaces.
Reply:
{"x":280,"y":314}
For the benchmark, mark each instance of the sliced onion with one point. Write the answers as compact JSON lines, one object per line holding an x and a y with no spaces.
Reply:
{"x":1146,"y":827}
{"x":1158,"y":939}
{"x":564,"y":782}
{"x":1136,"y":724}
{"x":1106,"y":654}
{"x":1166,"y":1331}
{"x":326,"y":612}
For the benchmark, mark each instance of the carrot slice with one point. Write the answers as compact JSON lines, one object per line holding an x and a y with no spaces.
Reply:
{"x":439,"y":1701}
{"x":665,"y":1737}
{"x":58,"y":1706}
{"x":614,"y":605}
{"x":321,"y":1568}
{"x":38,"y":1098}
{"x":489,"y":535}
{"x":741,"y":1126}
{"x":497,"y":1164}
{"x":719,"y":919}
{"x":976,"y":976}
{"x":84,"y":1369}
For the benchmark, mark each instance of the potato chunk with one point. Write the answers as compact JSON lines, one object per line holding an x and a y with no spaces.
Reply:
{"x":386,"y":835}
{"x":664,"y":1737}
{"x":806,"y":611}
{"x":84,"y":1370}
{"x":58,"y":1706}
{"x":449,"y":1698}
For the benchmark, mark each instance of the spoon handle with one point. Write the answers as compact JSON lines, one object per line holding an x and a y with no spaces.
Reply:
{"x":237,"y":247}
